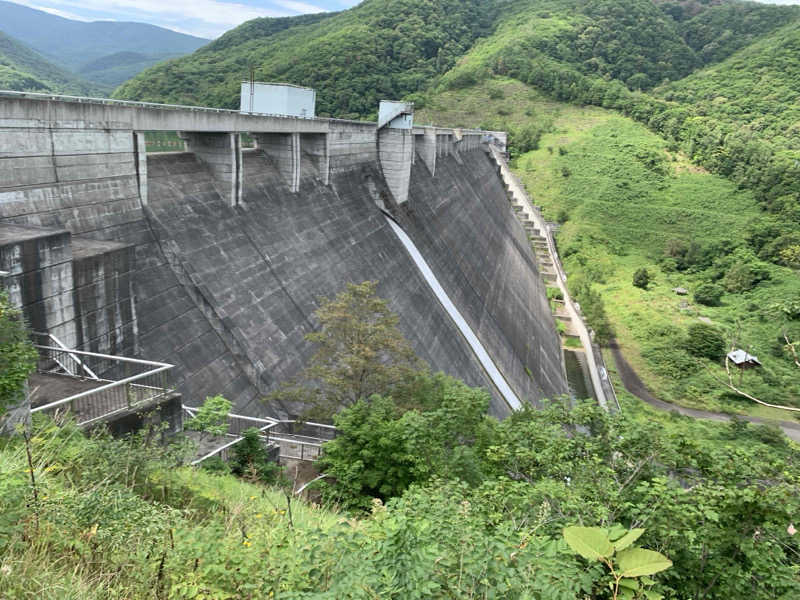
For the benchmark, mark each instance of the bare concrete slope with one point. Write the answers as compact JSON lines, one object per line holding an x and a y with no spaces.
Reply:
{"x":262,"y":267}
{"x":462,"y":222}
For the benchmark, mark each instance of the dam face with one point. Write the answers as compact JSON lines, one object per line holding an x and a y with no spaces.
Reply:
{"x":215,"y":259}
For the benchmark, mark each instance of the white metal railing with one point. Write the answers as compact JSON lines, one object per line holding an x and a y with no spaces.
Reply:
{"x":107,"y":396}
{"x":138,"y":104}
{"x":81,"y":366}
{"x":155,"y":105}
{"x":291,"y":445}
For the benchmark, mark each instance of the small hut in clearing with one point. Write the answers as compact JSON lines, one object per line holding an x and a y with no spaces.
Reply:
{"x":743,"y":360}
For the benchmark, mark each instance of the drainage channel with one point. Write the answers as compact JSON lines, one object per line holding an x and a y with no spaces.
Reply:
{"x":578,"y":377}
{"x":477,"y":347}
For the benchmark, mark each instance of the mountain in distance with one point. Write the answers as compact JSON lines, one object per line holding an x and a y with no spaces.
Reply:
{"x":23,"y":69}
{"x":100,"y":51}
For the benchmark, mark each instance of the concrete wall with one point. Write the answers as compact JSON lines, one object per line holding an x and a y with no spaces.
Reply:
{"x":351,"y":145}
{"x":39,"y":263}
{"x":226,"y":290}
{"x":284,"y":150}
{"x":463,"y":224}
{"x":222,"y":153}
{"x":77,"y":289}
{"x":19,"y":109}
{"x":425,"y":148}
{"x":396,"y":149}
{"x":103,"y":296}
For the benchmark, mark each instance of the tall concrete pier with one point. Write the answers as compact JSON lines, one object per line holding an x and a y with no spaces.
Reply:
{"x":214,"y":259}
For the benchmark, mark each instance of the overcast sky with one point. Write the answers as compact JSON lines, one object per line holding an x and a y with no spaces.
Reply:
{"x":205,"y":18}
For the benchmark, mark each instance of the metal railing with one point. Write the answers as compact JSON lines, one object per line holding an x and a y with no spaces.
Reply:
{"x":75,"y":367}
{"x":295,"y":440}
{"x":142,"y":382}
{"x":177,"y":107}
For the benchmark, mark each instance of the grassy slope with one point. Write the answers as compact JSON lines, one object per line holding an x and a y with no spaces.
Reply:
{"x":621,"y":214}
{"x":117,"y":523}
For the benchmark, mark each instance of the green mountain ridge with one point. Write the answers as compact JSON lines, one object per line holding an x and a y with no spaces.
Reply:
{"x":758,"y":86}
{"x":76,"y":45}
{"x":354,"y":58}
{"x":357,"y":56}
{"x":24,"y":69}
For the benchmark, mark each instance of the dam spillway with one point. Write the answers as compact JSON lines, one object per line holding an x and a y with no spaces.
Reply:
{"x":497,"y":378}
{"x":214,"y":259}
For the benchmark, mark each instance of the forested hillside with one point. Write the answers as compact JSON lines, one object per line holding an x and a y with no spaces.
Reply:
{"x":759,"y":86}
{"x":23,"y":69}
{"x":379,"y":49}
{"x":394,"y":48}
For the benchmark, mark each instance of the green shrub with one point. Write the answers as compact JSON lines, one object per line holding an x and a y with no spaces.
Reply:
{"x":251,"y":460}
{"x":211,"y":417}
{"x":743,"y":271}
{"x":554,"y":293}
{"x":594,"y":310}
{"x":708,"y":294}
{"x":17,"y":355}
{"x":779,"y":250}
{"x":705,"y":341}
{"x":641,"y":278}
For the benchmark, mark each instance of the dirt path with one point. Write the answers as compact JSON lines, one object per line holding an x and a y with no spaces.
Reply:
{"x":634,"y":384}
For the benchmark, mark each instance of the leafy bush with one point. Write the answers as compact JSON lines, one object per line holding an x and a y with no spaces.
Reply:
{"x":554,"y":293}
{"x":17,"y":354}
{"x":592,"y":306}
{"x":360,"y":352}
{"x":774,"y":249}
{"x":705,"y":341}
{"x":743,"y":277}
{"x":250,"y":459}
{"x":708,"y":294}
{"x":380,"y":450}
{"x":211,"y":417}
{"x":641,"y":278}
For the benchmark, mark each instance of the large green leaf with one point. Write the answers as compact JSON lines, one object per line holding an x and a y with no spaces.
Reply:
{"x":590,"y":542}
{"x":627,"y":539}
{"x":635,"y":562}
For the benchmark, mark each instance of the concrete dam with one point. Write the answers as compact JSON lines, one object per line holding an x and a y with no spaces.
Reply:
{"x":214,"y":259}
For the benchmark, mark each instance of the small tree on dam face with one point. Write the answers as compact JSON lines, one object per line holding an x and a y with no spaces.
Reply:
{"x":360,"y":352}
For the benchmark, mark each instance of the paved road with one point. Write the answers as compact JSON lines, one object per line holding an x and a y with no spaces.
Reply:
{"x":634,"y":384}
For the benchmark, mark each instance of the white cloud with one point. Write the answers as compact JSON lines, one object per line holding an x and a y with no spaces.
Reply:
{"x":208,"y":18}
{"x":59,"y":13}
{"x":300,"y":7}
